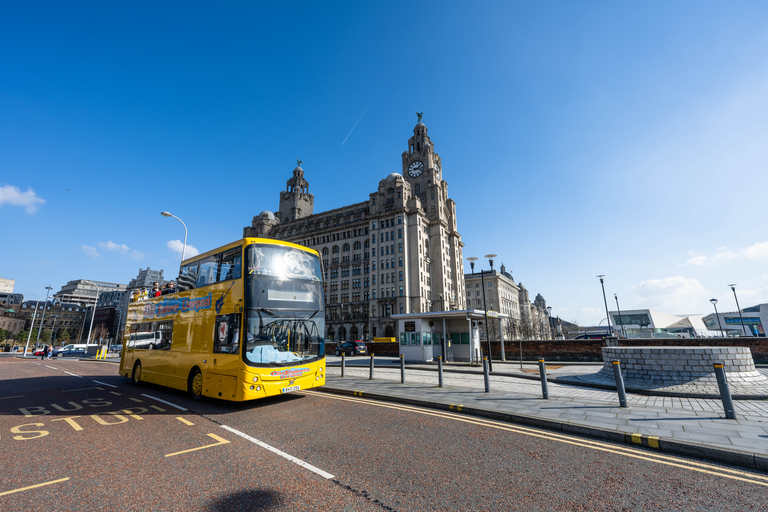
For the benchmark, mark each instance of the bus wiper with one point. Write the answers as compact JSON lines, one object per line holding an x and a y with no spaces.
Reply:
{"x":313,"y":315}
{"x":265,"y":310}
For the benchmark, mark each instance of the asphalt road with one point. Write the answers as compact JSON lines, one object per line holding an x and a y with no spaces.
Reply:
{"x":76,"y":436}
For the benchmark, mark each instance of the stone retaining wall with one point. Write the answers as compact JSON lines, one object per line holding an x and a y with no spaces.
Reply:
{"x":669,"y":366}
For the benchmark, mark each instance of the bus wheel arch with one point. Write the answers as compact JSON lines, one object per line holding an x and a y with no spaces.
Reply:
{"x":195,"y":383}
{"x":136,"y":375}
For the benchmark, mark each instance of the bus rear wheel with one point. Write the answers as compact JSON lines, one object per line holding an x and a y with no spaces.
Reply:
{"x":137,"y":373}
{"x":196,"y":384}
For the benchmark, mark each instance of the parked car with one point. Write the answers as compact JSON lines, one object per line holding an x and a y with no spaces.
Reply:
{"x":352,"y":348}
{"x":38,"y":351}
{"x":71,"y":351}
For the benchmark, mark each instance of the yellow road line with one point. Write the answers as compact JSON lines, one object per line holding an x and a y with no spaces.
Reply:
{"x":219,"y":440}
{"x":34,"y":486}
{"x":186,"y":422}
{"x":564,"y":438}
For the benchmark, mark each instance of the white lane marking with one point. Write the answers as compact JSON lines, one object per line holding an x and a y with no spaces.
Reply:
{"x":166,"y":403}
{"x":72,"y":374}
{"x":104,"y":384}
{"x":291,"y":458}
{"x":51,"y":367}
{"x":7,"y":397}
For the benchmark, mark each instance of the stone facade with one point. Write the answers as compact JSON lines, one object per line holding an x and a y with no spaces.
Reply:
{"x":527,"y":320}
{"x":399,"y":251}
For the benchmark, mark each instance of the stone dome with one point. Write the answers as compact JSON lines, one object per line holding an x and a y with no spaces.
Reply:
{"x":394,"y":177}
{"x":266,"y":214}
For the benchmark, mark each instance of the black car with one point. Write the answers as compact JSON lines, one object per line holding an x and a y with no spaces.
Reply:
{"x":70,"y":352}
{"x":352,"y":348}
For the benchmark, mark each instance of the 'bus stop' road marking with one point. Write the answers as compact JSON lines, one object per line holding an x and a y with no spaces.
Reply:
{"x":220,"y":440}
{"x":34,"y":486}
{"x":166,"y":403}
{"x":291,"y":458}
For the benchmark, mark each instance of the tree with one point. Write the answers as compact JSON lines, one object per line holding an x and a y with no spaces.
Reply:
{"x":22,"y":336}
{"x":65,"y":336}
{"x":45,"y":335}
{"x":3,"y":334}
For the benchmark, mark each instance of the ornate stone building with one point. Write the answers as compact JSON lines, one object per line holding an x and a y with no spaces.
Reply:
{"x":399,"y":251}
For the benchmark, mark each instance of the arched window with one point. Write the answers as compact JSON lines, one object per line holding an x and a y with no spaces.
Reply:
{"x":390,"y":191}
{"x":345,"y":248}
{"x":325,"y":251}
{"x":335,"y":249}
{"x":357,"y":245}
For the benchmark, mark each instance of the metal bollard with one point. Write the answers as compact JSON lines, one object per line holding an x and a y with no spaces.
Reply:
{"x":343,"y":356}
{"x":485,"y":375}
{"x":619,"y":383}
{"x":370,"y":377}
{"x":439,"y":371}
{"x":543,"y":373}
{"x":402,"y":369}
{"x":725,"y":391}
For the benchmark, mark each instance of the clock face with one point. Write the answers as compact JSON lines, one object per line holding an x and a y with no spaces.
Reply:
{"x":415,"y":169}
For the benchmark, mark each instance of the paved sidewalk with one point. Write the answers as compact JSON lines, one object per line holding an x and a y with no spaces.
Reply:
{"x":686,"y":426}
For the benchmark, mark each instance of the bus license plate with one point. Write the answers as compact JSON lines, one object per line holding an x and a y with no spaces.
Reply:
{"x":290,"y":388}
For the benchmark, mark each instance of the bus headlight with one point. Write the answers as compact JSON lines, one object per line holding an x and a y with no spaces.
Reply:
{"x":251,"y":388}
{"x":256,"y":379}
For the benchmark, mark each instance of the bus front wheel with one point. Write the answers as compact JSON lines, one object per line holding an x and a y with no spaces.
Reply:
{"x":137,"y":373}
{"x":196,"y":384}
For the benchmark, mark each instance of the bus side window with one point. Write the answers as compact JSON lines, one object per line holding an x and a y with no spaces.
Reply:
{"x":230,"y":265}
{"x":188,"y":276}
{"x":208,"y":269}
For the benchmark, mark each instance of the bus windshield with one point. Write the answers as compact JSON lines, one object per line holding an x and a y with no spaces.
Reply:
{"x":283,"y":338}
{"x":285,"y":315}
{"x":282,"y":263}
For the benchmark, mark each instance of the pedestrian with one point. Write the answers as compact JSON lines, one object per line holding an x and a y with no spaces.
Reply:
{"x":156,"y":291}
{"x":44,"y":353}
{"x":49,"y":352}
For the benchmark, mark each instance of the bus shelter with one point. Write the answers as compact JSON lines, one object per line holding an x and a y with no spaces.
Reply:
{"x":455,"y":335}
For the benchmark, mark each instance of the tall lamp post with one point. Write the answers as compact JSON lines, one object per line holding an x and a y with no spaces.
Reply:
{"x":738,"y":308}
{"x":93,"y":314}
{"x":601,"y":276}
{"x":42,"y":317}
{"x":714,"y":303}
{"x":472,"y":261}
{"x":32,"y":326}
{"x":184,"y":248}
{"x":621,"y":320}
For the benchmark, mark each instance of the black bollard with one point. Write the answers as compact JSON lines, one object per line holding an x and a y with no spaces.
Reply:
{"x":370,"y":377}
{"x":439,"y":371}
{"x":343,"y":355}
{"x":485,"y":375}
{"x":725,"y":391}
{"x":402,"y":369}
{"x":619,"y":383}
{"x":543,"y":374}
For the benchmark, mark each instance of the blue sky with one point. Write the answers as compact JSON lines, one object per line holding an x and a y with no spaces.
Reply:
{"x":577,"y":138}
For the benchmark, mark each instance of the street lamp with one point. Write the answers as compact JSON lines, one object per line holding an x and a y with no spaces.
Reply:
{"x":714,"y":303}
{"x":733,"y":287}
{"x":93,"y":314}
{"x":605,"y":301}
{"x":42,"y":317}
{"x":184,"y":248}
{"x":32,"y":326}
{"x":472,"y":261}
{"x":621,"y":320}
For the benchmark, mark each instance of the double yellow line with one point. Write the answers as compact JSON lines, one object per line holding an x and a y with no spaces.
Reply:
{"x":701,"y":467}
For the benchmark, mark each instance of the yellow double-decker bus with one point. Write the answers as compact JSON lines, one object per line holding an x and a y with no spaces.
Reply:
{"x":247,"y":321}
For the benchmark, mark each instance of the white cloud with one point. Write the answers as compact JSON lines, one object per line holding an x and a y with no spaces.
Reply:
{"x":90,"y":251}
{"x":138,"y":255}
{"x":112,"y":246}
{"x":759,"y":250}
{"x":674,"y":295}
{"x":12,"y":195}
{"x":177,"y":246}
{"x":753,"y":252}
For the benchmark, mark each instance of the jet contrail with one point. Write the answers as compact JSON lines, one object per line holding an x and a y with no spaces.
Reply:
{"x":361,"y":117}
